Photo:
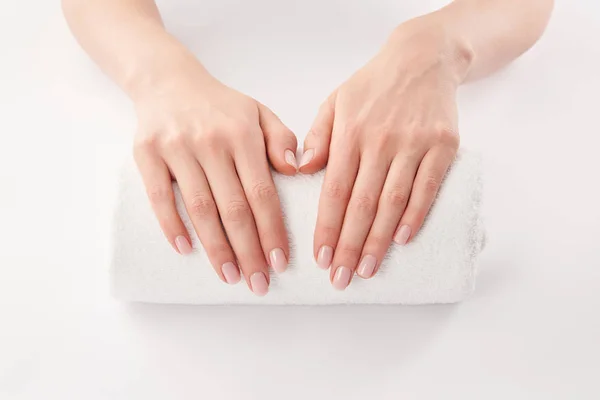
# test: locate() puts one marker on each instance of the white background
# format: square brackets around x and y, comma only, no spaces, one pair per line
[532,330]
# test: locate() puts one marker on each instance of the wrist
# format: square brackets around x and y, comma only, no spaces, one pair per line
[159,68]
[433,38]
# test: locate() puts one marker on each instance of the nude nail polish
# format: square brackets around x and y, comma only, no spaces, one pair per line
[342,277]
[290,158]
[278,260]
[183,246]
[259,284]
[324,257]
[231,273]
[307,157]
[367,266]
[403,234]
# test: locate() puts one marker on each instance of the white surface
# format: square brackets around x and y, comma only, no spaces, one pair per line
[438,266]
[532,329]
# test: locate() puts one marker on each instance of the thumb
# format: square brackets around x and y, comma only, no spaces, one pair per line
[316,144]
[281,142]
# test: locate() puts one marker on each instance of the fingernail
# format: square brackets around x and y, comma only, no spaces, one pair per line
[183,246]
[290,158]
[278,260]
[341,279]
[367,266]
[231,273]
[307,157]
[403,234]
[259,284]
[324,257]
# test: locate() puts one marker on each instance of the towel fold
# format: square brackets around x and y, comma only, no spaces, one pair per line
[438,266]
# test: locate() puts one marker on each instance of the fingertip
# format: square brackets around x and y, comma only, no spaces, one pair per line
[290,158]
[278,260]
[311,161]
[342,278]
[367,266]
[402,237]
[307,156]
[259,283]
[231,273]
[183,245]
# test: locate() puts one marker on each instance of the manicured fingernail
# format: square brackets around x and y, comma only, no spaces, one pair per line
[290,158]
[324,257]
[278,260]
[403,234]
[183,246]
[341,279]
[259,284]
[231,273]
[307,157]
[367,266]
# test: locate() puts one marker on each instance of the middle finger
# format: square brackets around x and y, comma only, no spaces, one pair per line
[237,219]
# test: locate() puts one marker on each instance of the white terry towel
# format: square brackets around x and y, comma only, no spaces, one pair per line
[438,266]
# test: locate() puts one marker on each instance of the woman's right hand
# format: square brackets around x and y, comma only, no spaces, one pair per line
[217,144]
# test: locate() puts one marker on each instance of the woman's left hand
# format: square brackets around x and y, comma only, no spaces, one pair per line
[388,136]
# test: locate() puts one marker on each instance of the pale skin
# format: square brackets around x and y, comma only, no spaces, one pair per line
[387,135]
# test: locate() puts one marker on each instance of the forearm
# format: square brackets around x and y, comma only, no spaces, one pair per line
[498,31]
[127,39]
[482,36]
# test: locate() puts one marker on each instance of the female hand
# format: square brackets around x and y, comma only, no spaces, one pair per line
[214,142]
[388,135]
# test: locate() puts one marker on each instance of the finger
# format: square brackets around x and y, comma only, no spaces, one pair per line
[392,203]
[237,219]
[429,176]
[316,144]
[359,217]
[202,211]
[280,142]
[335,193]
[159,188]
[257,181]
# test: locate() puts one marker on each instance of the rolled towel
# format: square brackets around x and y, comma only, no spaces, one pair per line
[438,266]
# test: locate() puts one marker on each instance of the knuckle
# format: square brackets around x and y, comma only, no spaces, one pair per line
[237,211]
[397,196]
[415,138]
[447,137]
[327,234]
[349,251]
[377,241]
[263,192]
[384,140]
[431,184]
[174,141]
[335,190]
[144,143]
[239,128]
[159,195]
[351,129]
[201,205]
[209,138]
[363,205]
[228,127]
[218,249]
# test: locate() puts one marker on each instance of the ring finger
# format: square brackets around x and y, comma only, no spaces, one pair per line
[201,208]
[237,219]
[392,203]
[358,219]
